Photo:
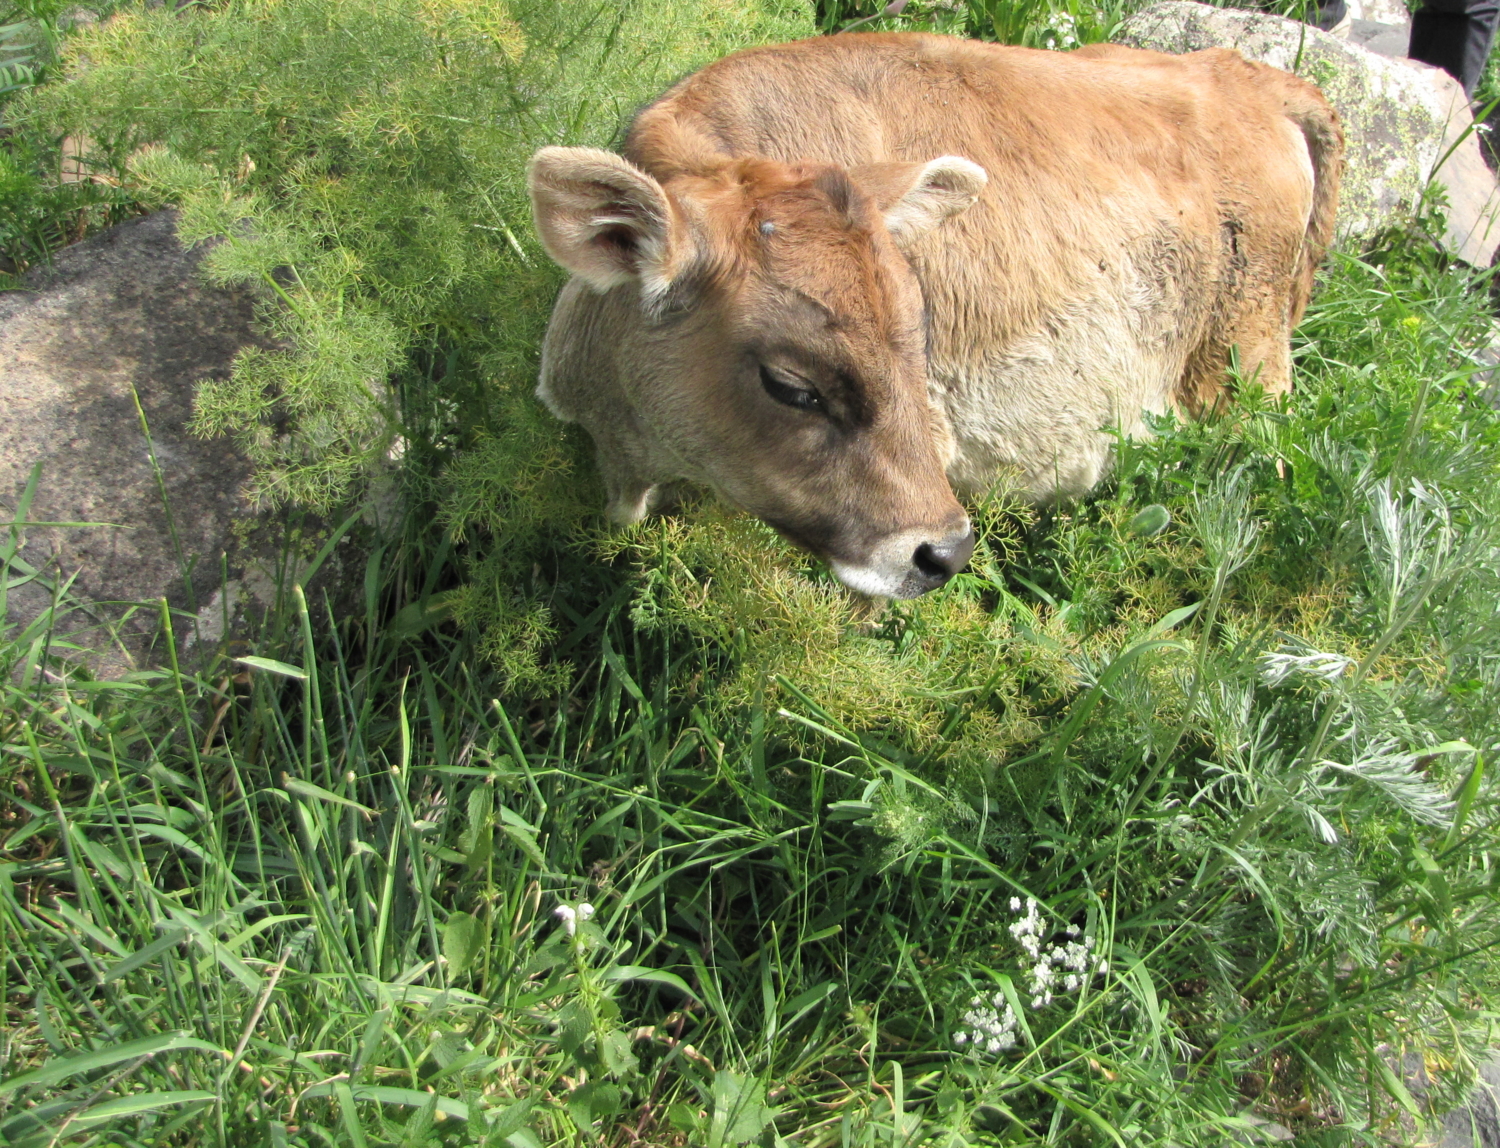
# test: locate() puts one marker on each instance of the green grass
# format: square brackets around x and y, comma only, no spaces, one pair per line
[1231,718]
[39,211]
[309,899]
[1053,24]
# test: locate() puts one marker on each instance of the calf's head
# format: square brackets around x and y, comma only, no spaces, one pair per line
[774,344]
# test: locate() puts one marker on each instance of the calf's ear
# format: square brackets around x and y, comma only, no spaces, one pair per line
[604,219]
[916,197]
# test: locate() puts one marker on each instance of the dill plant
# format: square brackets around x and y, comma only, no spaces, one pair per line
[363,164]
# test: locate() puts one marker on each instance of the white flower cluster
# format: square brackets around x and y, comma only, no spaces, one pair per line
[990,1022]
[1064,966]
[992,1026]
[571,915]
[1060,32]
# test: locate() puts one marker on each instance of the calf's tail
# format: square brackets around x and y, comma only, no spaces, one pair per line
[1319,124]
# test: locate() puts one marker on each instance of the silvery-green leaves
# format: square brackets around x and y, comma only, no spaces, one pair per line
[1224,523]
[1411,540]
[1399,778]
[1296,660]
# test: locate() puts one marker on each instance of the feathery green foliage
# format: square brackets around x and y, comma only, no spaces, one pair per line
[46,197]
[362,162]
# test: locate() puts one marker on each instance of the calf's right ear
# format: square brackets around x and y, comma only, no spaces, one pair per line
[916,197]
[604,219]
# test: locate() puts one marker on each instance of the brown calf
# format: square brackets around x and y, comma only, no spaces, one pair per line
[838,279]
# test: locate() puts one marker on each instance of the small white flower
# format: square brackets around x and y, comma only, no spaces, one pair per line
[571,916]
[990,1030]
[1015,904]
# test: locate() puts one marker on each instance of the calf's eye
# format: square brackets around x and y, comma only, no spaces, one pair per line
[788,393]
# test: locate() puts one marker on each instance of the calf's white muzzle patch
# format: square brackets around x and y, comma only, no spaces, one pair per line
[908,564]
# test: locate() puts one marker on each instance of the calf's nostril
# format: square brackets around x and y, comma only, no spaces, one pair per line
[926,560]
[941,560]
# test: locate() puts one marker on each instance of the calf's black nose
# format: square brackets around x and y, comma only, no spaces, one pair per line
[939,561]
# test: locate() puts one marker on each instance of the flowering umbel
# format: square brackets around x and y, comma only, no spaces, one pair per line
[1063,966]
[992,1026]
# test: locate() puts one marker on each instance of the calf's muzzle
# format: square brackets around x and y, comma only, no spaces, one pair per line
[910,563]
[939,561]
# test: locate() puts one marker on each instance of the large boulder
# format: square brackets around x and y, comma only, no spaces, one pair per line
[99,358]
[1405,122]
[1477,1123]
[1380,26]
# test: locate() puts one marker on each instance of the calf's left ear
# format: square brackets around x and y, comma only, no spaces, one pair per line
[604,219]
[916,197]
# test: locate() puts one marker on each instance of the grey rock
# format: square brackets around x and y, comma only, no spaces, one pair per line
[99,358]
[1402,119]
[1485,355]
[1389,40]
[1380,11]
[1477,1123]
[1473,1124]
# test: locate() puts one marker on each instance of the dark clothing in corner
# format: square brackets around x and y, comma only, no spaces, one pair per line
[1455,35]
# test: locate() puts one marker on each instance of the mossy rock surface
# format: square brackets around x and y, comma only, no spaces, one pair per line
[1401,119]
[103,352]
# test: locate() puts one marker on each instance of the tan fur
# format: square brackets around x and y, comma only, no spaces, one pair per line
[808,207]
